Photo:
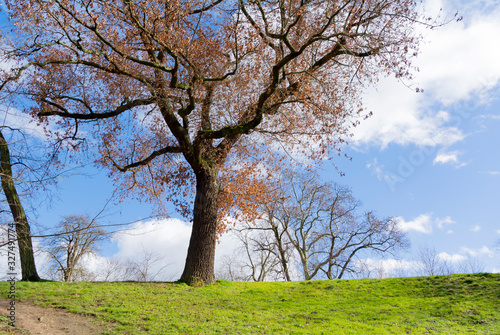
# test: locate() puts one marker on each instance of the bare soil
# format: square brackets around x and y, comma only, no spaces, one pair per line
[37,320]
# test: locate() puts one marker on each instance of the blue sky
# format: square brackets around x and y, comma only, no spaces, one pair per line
[430,159]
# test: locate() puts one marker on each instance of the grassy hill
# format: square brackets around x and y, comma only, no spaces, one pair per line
[457,304]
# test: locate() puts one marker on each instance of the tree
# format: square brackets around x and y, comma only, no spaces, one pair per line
[367,268]
[231,269]
[112,270]
[79,236]
[321,225]
[146,268]
[471,264]
[27,170]
[22,227]
[184,97]
[430,263]
[267,252]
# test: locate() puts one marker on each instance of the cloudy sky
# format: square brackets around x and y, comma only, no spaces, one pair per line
[430,159]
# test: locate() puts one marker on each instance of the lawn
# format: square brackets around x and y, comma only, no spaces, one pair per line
[456,304]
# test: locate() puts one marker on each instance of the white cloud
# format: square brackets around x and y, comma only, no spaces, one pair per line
[492,173]
[457,64]
[42,261]
[441,223]
[422,224]
[386,267]
[476,228]
[495,270]
[444,157]
[455,258]
[166,237]
[484,250]
[169,238]
[460,60]
[377,168]
[399,118]
[490,116]
[393,264]
[15,119]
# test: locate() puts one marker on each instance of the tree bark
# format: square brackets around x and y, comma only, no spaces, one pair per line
[23,232]
[281,250]
[199,268]
[305,267]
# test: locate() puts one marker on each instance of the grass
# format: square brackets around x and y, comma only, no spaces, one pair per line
[456,304]
[8,330]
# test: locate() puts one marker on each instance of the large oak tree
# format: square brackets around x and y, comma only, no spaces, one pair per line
[204,96]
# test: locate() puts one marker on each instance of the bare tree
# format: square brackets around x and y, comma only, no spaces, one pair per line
[231,268]
[148,267]
[267,251]
[471,265]
[429,263]
[112,270]
[370,269]
[79,235]
[382,268]
[320,224]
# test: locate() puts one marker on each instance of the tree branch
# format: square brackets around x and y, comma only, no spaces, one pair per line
[93,116]
[204,9]
[148,159]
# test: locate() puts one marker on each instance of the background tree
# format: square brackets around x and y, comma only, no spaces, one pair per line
[266,252]
[367,268]
[28,169]
[471,265]
[429,263]
[321,224]
[22,227]
[192,97]
[231,269]
[148,267]
[78,237]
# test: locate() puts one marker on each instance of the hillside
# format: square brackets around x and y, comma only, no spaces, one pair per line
[457,304]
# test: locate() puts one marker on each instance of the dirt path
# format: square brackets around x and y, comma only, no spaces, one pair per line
[37,320]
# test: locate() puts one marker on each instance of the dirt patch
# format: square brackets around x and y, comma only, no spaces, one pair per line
[37,320]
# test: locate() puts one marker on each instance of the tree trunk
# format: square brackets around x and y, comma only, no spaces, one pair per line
[199,268]
[281,250]
[68,271]
[23,232]
[307,274]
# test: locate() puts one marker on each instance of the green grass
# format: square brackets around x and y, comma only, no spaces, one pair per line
[457,304]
